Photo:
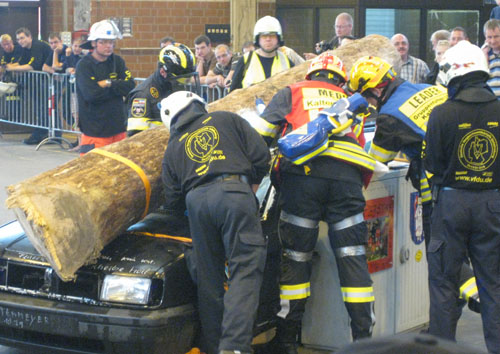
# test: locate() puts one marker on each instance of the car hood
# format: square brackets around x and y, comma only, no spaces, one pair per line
[128,254]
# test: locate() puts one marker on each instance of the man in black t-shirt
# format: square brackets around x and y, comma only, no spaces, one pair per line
[55,62]
[35,53]
[11,52]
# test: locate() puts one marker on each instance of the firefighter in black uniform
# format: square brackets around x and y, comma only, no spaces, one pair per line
[212,166]
[461,150]
[403,112]
[327,187]
[175,63]
[102,81]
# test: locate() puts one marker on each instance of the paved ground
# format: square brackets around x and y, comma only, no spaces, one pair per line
[18,162]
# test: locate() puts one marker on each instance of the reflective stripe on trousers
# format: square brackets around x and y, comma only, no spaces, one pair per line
[298,221]
[469,289]
[357,295]
[295,292]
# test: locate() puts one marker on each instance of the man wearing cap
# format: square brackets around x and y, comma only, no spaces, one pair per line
[102,82]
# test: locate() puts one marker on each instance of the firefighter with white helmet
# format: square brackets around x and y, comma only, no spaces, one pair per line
[102,83]
[461,150]
[327,187]
[266,60]
[212,166]
[176,66]
[105,29]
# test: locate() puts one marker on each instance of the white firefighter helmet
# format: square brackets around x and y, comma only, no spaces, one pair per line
[267,25]
[175,103]
[105,29]
[7,88]
[463,58]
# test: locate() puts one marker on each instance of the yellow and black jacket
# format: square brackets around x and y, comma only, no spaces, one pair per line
[402,123]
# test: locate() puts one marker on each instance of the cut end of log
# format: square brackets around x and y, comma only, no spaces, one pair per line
[58,225]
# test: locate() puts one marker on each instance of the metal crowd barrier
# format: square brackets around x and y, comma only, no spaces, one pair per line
[42,101]
[209,94]
[28,104]
[63,108]
[47,101]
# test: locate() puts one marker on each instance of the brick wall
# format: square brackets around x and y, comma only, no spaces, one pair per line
[153,20]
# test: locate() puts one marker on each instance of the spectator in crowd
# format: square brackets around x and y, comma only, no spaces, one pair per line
[73,56]
[458,34]
[102,82]
[267,60]
[11,52]
[413,69]
[439,49]
[166,41]
[205,57]
[492,50]
[223,71]
[35,54]
[439,35]
[247,47]
[217,188]
[435,38]
[55,62]
[142,102]
[495,12]
[343,28]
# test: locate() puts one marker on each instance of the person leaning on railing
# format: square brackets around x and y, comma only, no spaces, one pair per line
[35,53]
[223,71]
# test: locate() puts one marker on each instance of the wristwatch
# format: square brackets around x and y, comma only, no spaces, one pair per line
[108,82]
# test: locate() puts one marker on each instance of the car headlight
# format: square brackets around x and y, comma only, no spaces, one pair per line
[130,290]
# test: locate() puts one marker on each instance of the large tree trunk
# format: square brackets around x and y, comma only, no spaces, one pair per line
[375,45]
[71,212]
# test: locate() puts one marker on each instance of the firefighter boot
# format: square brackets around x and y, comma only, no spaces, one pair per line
[474,304]
[287,333]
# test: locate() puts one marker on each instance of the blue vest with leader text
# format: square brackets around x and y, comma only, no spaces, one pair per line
[412,104]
